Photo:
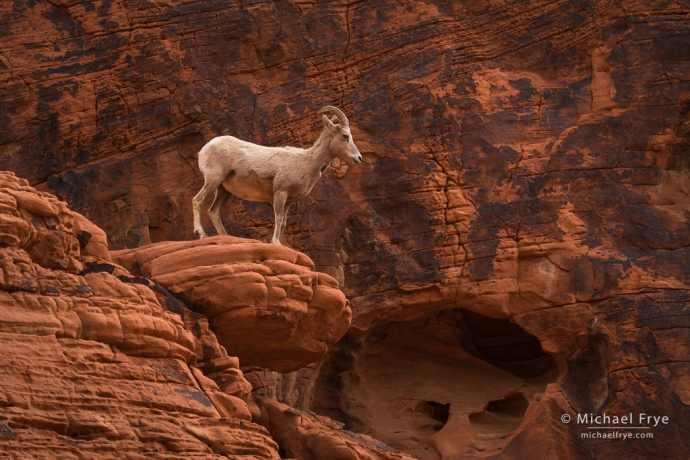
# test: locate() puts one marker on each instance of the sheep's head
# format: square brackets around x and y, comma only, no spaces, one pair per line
[341,140]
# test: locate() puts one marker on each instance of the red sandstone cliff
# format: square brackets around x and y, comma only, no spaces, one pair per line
[98,362]
[515,246]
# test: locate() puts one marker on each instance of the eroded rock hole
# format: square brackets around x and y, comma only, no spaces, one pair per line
[501,416]
[506,345]
[511,406]
[429,417]
[439,412]
[451,374]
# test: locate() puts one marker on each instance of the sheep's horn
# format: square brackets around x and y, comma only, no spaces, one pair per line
[338,113]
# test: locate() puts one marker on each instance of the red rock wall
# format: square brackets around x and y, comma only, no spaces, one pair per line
[522,160]
[98,362]
[93,366]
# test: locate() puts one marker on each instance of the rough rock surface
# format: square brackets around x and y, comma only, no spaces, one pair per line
[265,302]
[305,435]
[525,161]
[447,384]
[98,362]
[94,366]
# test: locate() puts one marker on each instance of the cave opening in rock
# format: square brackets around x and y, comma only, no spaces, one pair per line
[505,345]
[429,417]
[502,415]
[513,405]
[439,412]
[452,373]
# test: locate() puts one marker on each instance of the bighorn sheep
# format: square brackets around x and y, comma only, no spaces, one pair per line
[276,175]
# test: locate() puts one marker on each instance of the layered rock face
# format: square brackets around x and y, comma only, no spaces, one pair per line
[96,366]
[99,362]
[523,162]
[264,302]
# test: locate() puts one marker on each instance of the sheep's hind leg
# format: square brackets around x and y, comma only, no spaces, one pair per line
[284,222]
[279,199]
[210,184]
[219,201]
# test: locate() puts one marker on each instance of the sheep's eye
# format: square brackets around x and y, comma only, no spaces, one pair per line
[346,137]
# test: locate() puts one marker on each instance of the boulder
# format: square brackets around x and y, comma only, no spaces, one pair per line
[265,302]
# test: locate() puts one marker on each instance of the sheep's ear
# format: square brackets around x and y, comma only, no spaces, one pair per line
[329,124]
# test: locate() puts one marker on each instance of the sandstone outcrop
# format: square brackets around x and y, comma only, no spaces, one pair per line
[524,162]
[99,362]
[94,365]
[307,436]
[264,302]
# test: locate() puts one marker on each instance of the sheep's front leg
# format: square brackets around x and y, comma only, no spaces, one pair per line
[279,199]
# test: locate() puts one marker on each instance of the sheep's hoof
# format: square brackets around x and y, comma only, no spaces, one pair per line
[200,233]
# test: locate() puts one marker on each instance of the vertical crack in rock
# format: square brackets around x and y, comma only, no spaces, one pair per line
[587,381]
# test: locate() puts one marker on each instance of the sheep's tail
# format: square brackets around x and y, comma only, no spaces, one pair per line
[198,162]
